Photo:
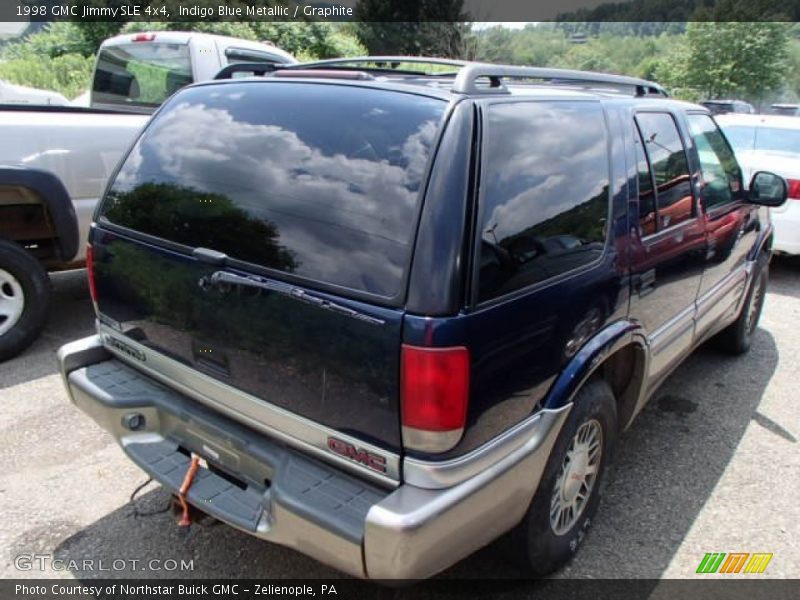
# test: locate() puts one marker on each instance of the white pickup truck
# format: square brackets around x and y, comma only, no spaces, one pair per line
[137,72]
[55,160]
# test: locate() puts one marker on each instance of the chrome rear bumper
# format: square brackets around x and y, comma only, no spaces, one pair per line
[282,495]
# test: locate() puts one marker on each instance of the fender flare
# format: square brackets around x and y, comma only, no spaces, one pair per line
[55,197]
[603,344]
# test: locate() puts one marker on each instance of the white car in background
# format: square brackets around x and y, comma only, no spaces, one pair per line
[770,142]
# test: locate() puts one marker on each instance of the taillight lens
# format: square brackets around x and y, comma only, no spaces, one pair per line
[144,37]
[794,188]
[90,273]
[434,393]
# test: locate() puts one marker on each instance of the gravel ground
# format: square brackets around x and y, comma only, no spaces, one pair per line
[711,465]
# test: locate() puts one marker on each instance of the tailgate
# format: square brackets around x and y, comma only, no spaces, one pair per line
[259,234]
[330,360]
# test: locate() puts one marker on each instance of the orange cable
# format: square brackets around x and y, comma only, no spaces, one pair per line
[187,483]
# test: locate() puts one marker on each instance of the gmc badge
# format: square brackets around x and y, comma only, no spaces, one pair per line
[376,462]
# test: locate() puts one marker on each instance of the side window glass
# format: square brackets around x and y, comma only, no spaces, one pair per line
[664,148]
[647,197]
[545,193]
[722,178]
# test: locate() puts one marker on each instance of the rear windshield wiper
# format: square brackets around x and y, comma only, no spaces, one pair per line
[222,278]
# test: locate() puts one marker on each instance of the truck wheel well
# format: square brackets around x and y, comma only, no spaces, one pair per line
[26,220]
[624,372]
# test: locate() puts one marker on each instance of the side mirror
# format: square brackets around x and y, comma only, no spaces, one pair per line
[768,189]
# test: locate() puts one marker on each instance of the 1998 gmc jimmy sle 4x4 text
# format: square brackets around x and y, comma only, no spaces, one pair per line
[385,317]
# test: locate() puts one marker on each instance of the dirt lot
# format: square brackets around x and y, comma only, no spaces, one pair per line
[711,465]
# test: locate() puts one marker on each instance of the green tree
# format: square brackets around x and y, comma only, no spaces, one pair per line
[732,58]
[792,91]
[311,40]
[68,74]
[57,39]
[415,27]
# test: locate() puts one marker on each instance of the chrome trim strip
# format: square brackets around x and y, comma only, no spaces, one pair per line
[447,473]
[432,442]
[721,288]
[672,329]
[292,429]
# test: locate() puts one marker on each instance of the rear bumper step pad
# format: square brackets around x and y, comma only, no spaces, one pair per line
[209,492]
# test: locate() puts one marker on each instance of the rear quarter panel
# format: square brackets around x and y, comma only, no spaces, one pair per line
[518,344]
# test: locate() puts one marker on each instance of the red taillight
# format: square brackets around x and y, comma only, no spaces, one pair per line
[434,392]
[794,188]
[144,37]
[90,273]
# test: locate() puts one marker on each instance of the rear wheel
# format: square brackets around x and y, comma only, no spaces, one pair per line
[569,492]
[24,299]
[738,336]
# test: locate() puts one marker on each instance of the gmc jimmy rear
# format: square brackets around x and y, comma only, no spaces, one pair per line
[385,317]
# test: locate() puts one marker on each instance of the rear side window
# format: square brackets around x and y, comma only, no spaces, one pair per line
[319,181]
[141,73]
[667,157]
[545,193]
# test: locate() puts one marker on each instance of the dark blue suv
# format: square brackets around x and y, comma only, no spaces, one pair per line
[385,316]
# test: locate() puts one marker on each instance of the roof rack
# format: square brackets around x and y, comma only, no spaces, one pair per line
[468,77]
[467,80]
[388,64]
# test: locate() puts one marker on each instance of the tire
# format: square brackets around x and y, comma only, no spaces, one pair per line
[540,545]
[737,337]
[24,299]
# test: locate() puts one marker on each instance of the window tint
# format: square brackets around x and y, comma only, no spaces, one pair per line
[647,199]
[141,73]
[664,148]
[545,198]
[722,178]
[316,180]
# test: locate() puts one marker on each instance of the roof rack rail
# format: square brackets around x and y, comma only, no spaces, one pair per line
[386,64]
[467,76]
[466,81]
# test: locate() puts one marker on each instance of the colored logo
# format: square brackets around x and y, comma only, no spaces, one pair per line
[735,562]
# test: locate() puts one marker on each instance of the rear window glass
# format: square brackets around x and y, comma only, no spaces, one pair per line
[773,139]
[319,181]
[740,137]
[141,73]
[545,205]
